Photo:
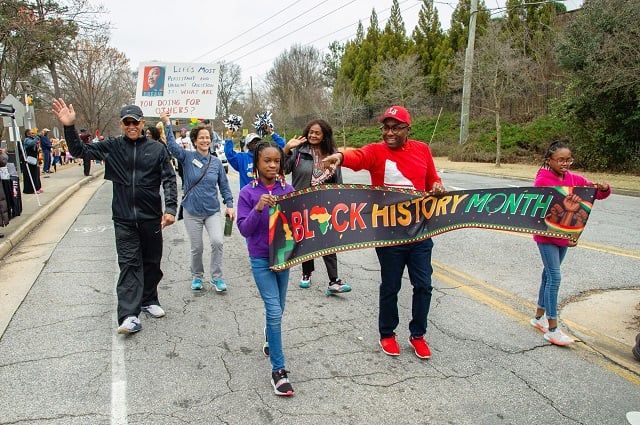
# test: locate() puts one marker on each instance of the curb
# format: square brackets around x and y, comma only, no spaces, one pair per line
[10,241]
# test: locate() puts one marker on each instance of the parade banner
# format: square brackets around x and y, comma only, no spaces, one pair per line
[183,90]
[331,218]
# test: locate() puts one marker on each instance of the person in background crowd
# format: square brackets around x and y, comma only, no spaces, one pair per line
[204,176]
[85,137]
[398,161]
[242,162]
[555,172]
[303,159]
[29,165]
[185,143]
[163,137]
[57,159]
[46,146]
[137,168]
[4,206]
[67,158]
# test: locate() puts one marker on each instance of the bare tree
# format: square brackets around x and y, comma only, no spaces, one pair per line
[96,78]
[399,81]
[229,88]
[346,108]
[296,86]
[501,74]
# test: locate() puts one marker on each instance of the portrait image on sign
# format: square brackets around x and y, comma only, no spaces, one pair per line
[153,81]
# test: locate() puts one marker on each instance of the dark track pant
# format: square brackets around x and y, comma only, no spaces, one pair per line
[86,164]
[139,247]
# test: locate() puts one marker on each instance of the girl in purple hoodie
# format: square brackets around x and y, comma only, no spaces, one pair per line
[253,222]
[555,172]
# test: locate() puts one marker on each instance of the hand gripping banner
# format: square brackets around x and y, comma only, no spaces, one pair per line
[331,218]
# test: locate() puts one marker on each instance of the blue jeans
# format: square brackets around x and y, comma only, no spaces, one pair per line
[46,159]
[417,257]
[552,256]
[273,290]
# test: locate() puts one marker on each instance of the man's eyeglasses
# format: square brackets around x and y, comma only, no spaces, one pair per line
[395,129]
[128,123]
[563,161]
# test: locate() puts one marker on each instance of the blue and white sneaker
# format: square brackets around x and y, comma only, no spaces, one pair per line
[218,284]
[196,284]
[337,287]
[305,282]
[130,325]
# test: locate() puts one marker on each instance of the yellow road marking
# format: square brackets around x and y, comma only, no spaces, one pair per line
[515,306]
[607,249]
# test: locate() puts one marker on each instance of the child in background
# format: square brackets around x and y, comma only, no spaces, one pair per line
[242,161]
[555,172]
[253,222]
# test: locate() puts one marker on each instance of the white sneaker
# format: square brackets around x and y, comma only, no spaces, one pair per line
[153,310]
[558,337]
[130,325]
[542,324]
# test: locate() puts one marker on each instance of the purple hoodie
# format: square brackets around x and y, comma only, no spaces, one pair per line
[254,225]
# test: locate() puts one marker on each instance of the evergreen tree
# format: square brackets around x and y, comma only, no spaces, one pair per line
[427,37]
[348,62]
[459,31]
[366,58]
[442,61]
[393,41]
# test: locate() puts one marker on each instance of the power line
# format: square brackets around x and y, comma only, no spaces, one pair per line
[250,29]
[284,23]
[331,33]
[296,30]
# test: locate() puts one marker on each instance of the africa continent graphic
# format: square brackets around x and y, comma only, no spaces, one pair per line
[321,215]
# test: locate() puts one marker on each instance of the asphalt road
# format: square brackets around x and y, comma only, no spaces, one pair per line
[62,363]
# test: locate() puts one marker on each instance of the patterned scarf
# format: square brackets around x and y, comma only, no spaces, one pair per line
[319,175]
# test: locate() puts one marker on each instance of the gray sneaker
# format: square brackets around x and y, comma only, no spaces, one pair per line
[153,310]
[130,325]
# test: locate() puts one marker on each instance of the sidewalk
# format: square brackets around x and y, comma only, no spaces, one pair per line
[57,187]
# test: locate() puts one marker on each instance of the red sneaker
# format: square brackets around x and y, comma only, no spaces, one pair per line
[420,347]
[390,346]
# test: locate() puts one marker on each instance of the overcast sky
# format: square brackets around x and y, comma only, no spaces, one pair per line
[246,32]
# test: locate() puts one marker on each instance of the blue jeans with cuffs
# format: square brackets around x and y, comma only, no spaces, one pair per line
[273,290]
[552,256]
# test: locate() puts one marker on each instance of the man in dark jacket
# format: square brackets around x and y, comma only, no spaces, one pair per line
[137,166]
[45,145]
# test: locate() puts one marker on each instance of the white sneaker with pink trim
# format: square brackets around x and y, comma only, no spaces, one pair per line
[558,337]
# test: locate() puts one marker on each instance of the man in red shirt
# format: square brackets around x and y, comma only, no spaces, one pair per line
[398,161]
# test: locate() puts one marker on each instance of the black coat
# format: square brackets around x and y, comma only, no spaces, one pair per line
[137,169]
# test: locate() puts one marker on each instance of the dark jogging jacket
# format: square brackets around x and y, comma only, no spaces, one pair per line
[137,168]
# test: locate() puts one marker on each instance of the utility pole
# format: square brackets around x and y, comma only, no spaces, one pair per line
[251,85]
[468,71]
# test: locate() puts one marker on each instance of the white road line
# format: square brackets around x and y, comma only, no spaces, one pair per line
[118,377]
[457,188]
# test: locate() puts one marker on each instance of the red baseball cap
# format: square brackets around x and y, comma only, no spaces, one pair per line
[396,112]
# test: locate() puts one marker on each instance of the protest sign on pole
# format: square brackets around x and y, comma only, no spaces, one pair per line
[183,90]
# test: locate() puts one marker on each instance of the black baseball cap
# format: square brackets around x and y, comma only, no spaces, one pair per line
[131,111]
